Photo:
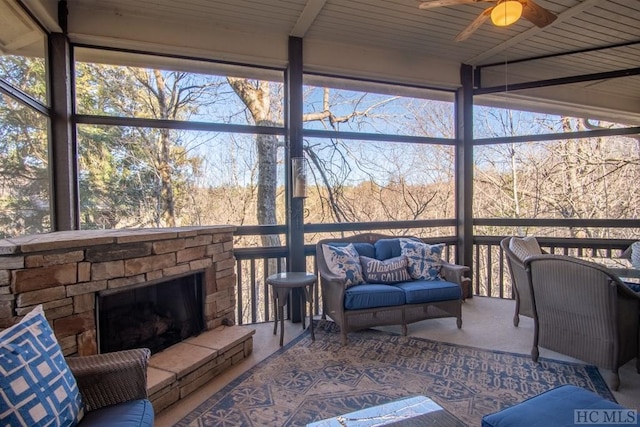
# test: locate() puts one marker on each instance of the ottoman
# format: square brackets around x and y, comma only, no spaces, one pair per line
[566,405]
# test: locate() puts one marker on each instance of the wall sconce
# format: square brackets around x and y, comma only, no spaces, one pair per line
[298,177]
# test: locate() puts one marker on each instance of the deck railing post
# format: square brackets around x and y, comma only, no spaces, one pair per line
[464,167]
[295,217]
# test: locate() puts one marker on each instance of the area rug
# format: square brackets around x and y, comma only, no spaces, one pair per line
[308,381]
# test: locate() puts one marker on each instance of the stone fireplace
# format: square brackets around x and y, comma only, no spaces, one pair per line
[64,271]
[76,274]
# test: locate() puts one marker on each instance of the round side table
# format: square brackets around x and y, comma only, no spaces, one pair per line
[282,283]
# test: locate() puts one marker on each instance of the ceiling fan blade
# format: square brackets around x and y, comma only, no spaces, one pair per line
[438,3]
[537,14]
[464,34]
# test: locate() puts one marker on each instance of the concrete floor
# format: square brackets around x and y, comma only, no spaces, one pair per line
[487,323]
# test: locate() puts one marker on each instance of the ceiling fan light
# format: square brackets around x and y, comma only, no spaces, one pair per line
[506,13]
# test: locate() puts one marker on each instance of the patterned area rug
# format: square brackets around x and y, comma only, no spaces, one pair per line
[308,381]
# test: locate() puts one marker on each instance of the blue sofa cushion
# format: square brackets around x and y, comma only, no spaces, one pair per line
[387,248]
[372,295]
[135,413]
[365,249]
[421,291]
[635,287]
[392,270]
[555,407]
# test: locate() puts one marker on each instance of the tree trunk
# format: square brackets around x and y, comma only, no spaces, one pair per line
[257,99]
[167,202]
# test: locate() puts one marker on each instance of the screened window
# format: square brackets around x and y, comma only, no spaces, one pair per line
[587,178]
[376,108]
[24,170]
[202,155]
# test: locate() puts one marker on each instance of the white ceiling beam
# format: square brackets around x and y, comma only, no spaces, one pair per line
[567,14]
[46,11]
[23,40]
[306,18]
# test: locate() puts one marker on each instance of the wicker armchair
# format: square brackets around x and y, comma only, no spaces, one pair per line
[112,379]
[583,310]
[519,282]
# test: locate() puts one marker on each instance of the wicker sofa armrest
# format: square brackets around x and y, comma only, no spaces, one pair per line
[111,378]
[333,295]
[454,273]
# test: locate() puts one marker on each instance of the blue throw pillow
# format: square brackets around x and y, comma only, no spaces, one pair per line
[38,387]
[344,261]
[424,261]
[389,271]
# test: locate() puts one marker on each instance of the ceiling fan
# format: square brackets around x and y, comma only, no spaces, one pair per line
[505,12]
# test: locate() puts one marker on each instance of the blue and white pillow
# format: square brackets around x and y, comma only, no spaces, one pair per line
[344,261]
[38,387]
[424,261]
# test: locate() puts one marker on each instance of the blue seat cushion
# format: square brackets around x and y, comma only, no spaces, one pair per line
[372,295]
[555,407]
[421,291]
[138,413]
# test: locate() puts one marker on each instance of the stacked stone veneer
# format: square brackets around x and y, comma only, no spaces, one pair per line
[64,271]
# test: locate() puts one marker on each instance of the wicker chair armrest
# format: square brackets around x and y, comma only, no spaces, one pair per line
[454,273]
[111,378]
[333,286]
[329,276]
[333,295]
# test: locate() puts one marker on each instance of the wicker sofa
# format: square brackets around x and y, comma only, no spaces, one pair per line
[42,387]
[114,388]
[368,305]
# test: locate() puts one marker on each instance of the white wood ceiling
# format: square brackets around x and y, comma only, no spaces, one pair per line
[385,39]
[399,24]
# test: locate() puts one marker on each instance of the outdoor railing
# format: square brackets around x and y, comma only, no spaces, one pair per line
[490,272]
[490,275]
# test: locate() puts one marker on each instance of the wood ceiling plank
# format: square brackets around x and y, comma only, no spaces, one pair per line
[564,16]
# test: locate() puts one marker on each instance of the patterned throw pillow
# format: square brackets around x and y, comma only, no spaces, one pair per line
[424,261]
[38,387]
[524,247]
[344,261]
[392,270]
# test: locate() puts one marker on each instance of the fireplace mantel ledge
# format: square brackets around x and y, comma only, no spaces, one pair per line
[83,238]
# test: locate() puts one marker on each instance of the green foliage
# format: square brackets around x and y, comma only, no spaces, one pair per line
[24,163]
[25,73]
[134,177]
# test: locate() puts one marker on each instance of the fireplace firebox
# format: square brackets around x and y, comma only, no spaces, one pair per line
[152,315]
